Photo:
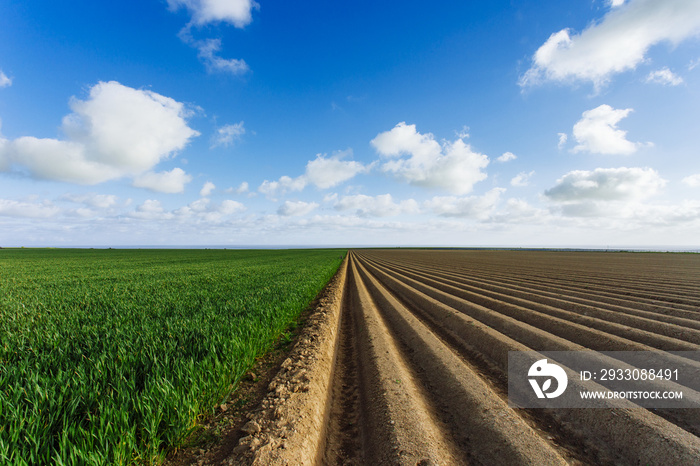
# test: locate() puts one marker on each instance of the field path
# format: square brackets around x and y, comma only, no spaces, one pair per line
[413,367]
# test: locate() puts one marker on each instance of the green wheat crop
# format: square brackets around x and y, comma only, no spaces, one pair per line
[110,356]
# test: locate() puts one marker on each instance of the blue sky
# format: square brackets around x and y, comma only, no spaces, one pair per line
[231,122]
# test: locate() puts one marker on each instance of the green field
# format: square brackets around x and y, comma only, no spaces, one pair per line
[111,356]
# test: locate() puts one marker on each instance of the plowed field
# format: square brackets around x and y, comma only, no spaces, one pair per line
[412,365]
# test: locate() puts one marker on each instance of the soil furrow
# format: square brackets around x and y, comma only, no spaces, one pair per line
[584,314]
[579,424]
[579,288]
[568,276]
[564,298]
[615,337]
[483,425]
[344,443]
[657,288]
[418,372]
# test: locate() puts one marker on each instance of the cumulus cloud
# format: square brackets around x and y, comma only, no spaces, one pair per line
[228,134]
[23,209]
[4,154]
[324,172]
[522,179]
[285,184]
[296,208]
[420,160]
[150,209]
[88,205]
[665,77]
[506,157]
[118,131]
[597,132]
[519,211]
[606,192]
[617,43]
[692,180]
[208,52]
[331,197]
[201,210]
[479,207]
[171,182]
[236,12]
[100,201]
[205,210]
[242,188]
[207,189]
[4,80]
[377,206]
[563,138]
[607,184]
[229,207]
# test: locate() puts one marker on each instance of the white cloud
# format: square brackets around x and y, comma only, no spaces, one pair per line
[22,209]
[606,184]
[452,166]
[626,216]
[518,211]
[323,172]
[119,131]
[664,76]
[597,132]
[563,138]
[242,188]
[326,172]
[692,180]
[207,189]
[228,135]
[479,207]
[296,208]
[506,157]
[54,159]
[522,179]
[150,205]
[151,209]
[229,207]
[616,3]
[613,193]
[236,12]
[404,139]
[204,210]
[4,80]
[171,182]
[464,133]
[4,154]
[207,52]
[285,184]
[377,206]
[201,210]
[617,43]
[100,201]
[330,197]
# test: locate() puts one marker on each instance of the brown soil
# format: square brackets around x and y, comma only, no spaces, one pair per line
[405,361]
